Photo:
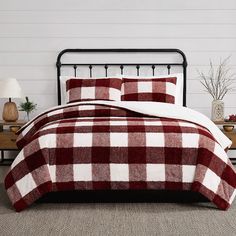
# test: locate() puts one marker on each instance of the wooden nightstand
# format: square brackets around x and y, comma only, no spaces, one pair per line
[8,139]
[231,135]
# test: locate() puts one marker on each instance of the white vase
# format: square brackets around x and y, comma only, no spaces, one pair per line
[217,110]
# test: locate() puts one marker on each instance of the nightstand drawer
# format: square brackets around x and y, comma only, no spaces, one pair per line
[8,140]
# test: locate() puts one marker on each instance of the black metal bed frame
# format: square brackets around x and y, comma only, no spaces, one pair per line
[153,65]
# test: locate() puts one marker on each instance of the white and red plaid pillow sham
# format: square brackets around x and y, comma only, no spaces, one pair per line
[149,89]
[79,89]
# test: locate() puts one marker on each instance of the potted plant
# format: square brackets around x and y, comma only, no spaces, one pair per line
[218,83]
[28,107]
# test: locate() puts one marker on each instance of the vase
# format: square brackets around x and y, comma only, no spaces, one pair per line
[217,110]
[27,116]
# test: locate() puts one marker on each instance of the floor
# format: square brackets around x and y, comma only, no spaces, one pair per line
[115,219]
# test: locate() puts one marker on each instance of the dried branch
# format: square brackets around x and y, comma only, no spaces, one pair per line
[218,83]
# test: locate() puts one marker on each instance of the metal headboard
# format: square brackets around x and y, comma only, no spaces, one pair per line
[153,65]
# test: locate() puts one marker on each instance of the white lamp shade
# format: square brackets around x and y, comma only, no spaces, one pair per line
[10,88]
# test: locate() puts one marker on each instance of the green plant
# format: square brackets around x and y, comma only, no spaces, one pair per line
[218,81]
[27,106]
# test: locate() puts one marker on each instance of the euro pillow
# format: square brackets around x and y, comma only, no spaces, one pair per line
[63,79]
[149,89]
[87,89]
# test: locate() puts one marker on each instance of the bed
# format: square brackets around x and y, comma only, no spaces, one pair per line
[121,132]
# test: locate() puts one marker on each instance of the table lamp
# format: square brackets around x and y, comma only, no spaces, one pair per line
[10,88]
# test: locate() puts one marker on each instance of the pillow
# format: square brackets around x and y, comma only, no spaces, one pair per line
[149,89]
[63,80]
[179,84]
[85,89]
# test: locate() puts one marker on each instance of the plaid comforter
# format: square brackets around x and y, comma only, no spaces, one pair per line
[86,146]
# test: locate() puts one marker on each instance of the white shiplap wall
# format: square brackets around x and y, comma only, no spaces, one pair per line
[33,32]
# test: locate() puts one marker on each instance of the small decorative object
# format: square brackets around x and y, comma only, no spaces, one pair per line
[217,83]
[226,119]
[14,128]
[10,88]
[28,107]
[228,128]
[232,118]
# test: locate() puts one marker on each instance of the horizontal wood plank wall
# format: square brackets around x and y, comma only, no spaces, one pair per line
[33,32]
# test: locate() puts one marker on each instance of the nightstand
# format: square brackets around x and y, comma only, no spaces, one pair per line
[231,135]
[8,139]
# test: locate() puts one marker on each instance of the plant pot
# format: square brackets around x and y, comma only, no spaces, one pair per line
[217,110]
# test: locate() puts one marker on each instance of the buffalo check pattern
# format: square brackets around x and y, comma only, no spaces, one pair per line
[154,90]
[89,147]
[93,89]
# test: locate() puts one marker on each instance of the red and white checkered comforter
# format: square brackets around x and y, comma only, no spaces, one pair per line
[103,146]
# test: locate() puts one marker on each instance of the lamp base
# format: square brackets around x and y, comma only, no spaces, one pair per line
[10,112]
